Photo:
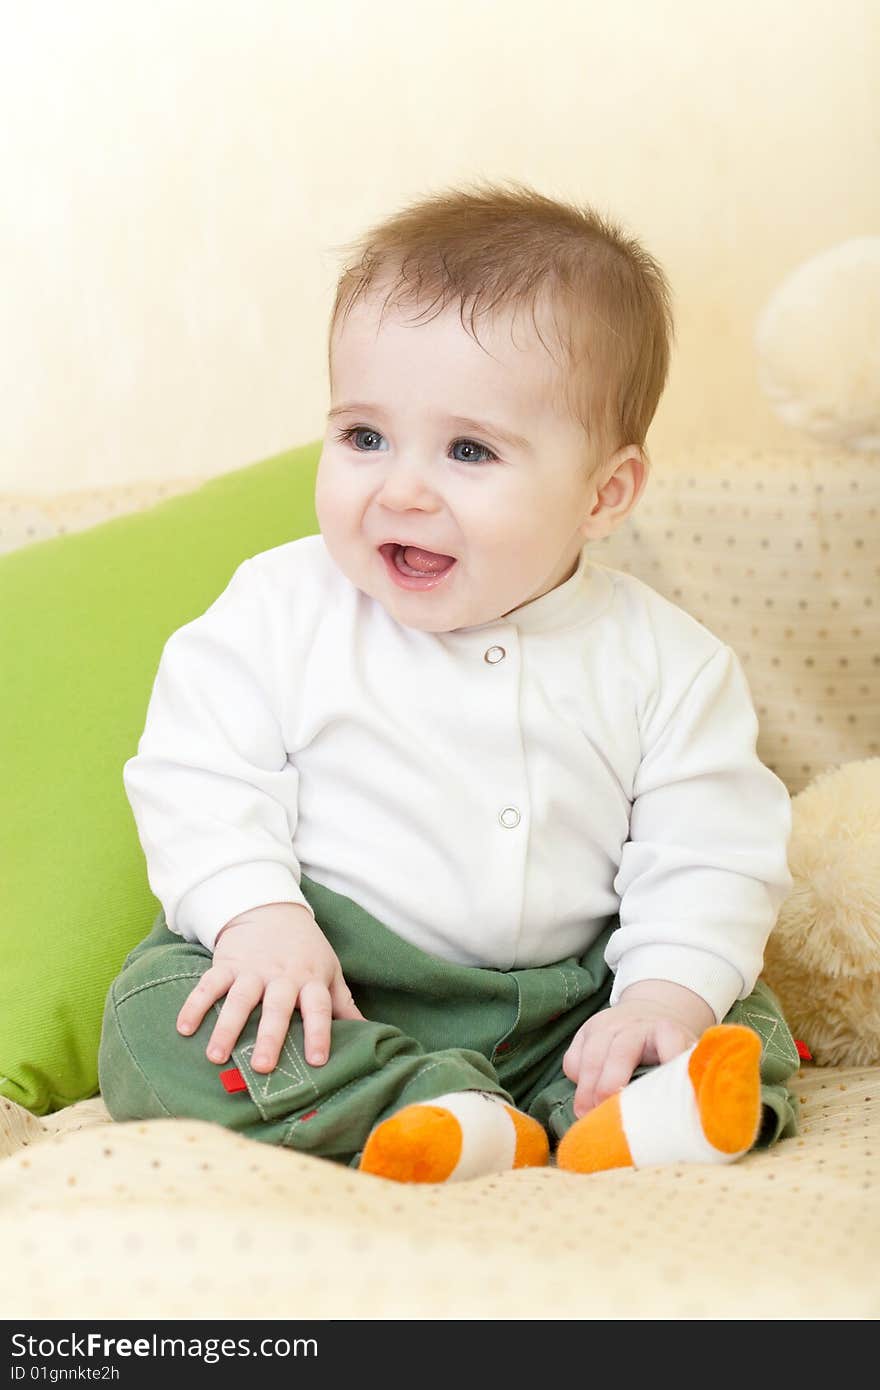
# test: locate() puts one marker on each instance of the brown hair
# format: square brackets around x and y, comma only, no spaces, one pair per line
[509,244]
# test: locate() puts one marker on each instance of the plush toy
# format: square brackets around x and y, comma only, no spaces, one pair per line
[818,358]
[823,956]
[818,346]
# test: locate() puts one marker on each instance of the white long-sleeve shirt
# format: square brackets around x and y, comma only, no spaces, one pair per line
[496,794]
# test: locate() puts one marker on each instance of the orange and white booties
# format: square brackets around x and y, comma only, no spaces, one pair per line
[463,1134]
[703,1106]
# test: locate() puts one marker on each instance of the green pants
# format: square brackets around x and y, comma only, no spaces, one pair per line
[432,1027]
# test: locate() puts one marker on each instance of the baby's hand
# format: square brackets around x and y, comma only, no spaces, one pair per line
[279,954]
[652,1022]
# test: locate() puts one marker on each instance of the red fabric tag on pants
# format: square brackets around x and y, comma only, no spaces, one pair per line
[233,1080]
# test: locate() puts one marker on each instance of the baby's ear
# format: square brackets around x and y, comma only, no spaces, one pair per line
[616,489]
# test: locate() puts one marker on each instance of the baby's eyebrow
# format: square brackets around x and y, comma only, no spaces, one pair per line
[516,441]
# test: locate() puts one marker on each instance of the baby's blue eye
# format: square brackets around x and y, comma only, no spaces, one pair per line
[358,429]
[472,444]
[349,434]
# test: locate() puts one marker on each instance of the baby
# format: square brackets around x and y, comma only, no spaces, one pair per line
[461,838]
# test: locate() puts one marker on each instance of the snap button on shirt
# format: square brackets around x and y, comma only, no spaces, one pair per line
[509,817]
[494,654]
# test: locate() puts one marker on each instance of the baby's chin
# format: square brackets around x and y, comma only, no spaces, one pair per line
[412,612]
[421,611]
[454,619]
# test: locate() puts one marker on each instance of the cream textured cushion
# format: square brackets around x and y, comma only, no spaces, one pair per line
[177,1219]
[776,552]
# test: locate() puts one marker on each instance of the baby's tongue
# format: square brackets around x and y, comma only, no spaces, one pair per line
[428,561]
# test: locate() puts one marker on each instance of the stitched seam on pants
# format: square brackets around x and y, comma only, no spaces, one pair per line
[267,1093]
[777,1048]
[518,1007]
[422,1071]
[330,1100]
[135,1063]
[363,1081]
[566,1006]
[513,1026]
[164,980]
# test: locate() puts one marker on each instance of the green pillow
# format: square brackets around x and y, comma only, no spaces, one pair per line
[83,620]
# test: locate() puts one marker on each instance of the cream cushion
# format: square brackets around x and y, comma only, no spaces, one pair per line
[176,1219]
[777,553]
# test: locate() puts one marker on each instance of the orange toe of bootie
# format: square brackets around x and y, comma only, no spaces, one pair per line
[725,1072]
[596,1141]
[421,1143]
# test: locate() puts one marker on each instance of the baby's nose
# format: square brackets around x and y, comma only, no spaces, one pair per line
[406,482]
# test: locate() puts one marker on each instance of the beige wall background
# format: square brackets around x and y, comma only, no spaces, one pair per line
[174,176]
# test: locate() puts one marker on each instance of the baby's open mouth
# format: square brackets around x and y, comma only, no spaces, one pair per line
[415,560]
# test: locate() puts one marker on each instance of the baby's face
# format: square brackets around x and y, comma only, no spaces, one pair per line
[426,464]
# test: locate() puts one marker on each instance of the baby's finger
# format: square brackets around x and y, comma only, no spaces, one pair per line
[317,1012]
[571,1061]
[279,1002]
[607,1066]
[593,1054]
[242,999]
[211,987]
[622,1058]
[342,1001]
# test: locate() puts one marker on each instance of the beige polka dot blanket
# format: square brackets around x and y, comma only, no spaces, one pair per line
[775,552]
[172,1219]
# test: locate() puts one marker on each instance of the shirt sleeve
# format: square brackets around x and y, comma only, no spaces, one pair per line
[212,790]
[705,869]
